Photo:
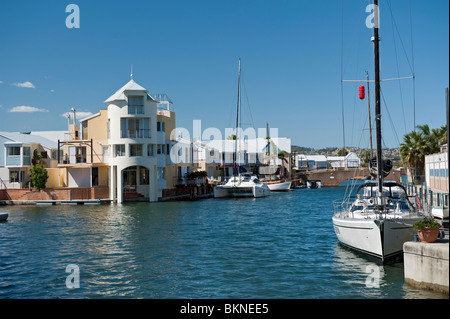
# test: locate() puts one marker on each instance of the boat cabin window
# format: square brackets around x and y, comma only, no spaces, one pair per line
[394,192]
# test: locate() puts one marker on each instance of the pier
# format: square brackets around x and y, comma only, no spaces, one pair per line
[426,265]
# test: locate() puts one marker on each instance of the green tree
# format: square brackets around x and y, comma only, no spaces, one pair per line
[365,157]
[342,152]
[417,144]
[36,157]
[39,176]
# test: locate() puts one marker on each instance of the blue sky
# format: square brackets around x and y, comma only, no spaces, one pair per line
[291,63]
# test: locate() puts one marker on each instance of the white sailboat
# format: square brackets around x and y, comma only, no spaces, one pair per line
[241,184]
[279,186]
[381,218]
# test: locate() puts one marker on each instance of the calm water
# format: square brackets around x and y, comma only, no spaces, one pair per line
[282,246]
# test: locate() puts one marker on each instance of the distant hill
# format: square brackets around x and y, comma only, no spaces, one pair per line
[391,153]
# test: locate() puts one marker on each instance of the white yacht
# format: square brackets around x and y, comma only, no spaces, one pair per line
[242,186]
[279,186]
[376,229]
[380,219]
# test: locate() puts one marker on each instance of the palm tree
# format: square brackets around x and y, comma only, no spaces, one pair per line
[413,150]
[417,144]
[365,157]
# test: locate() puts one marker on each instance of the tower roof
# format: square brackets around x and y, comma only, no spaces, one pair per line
[130,86]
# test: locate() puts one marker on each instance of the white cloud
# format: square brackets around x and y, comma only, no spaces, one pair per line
[26,109]
[52,91]
[1,82]
[80,115]
[26,84]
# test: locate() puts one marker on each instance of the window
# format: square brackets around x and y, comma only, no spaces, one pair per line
[16,176]
[161,173]
[144,176]
[135,104]
[167,149]
[135,127]
[161,126]
[135,149]
[150,151]
[160,148]
[14,151]
[84,130]
[119,150]
[26,151]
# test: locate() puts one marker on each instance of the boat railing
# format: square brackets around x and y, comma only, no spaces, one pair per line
[340,206]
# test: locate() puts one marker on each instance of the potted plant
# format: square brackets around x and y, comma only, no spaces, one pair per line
[427,229]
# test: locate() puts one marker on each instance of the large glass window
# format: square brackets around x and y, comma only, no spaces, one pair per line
[161,126]
[135,127]
[135,149]
[135,104]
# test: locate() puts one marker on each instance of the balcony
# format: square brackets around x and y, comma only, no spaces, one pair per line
[142,133]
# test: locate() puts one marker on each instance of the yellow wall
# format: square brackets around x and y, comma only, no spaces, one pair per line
[168,118]
[97,130]
[54,175]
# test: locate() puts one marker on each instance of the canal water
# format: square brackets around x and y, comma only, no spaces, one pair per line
[280,247]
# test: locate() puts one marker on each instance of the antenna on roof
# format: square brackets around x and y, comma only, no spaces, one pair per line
[132,71]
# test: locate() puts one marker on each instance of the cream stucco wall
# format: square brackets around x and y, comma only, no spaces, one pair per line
[116,111]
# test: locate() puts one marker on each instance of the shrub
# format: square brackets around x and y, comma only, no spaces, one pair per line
[39,176]
[429,222]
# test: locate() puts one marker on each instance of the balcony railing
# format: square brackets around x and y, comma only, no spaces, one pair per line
[142,133]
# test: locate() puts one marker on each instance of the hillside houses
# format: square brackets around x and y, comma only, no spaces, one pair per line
[317,162]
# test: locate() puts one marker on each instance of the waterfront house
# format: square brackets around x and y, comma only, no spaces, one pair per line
[436,170]
[311,161]
[125,146]
[16,155]
[351,160]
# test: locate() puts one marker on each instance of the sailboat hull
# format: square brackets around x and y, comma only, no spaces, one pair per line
[241,191]
[279,187]
[379,238]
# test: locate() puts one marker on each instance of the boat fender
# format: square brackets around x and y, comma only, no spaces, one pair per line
[418,202]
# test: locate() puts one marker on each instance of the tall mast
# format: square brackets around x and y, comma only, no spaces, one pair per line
[377,99]
[238,120]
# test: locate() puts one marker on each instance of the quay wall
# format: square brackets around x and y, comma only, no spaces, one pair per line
[75,193]
[426,265]
[332,178]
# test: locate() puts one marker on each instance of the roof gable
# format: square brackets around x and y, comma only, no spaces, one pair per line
[131,86]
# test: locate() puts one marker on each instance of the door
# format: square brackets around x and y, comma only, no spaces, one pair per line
[129,180]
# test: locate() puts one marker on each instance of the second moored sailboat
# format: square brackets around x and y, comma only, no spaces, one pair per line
[241,184]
